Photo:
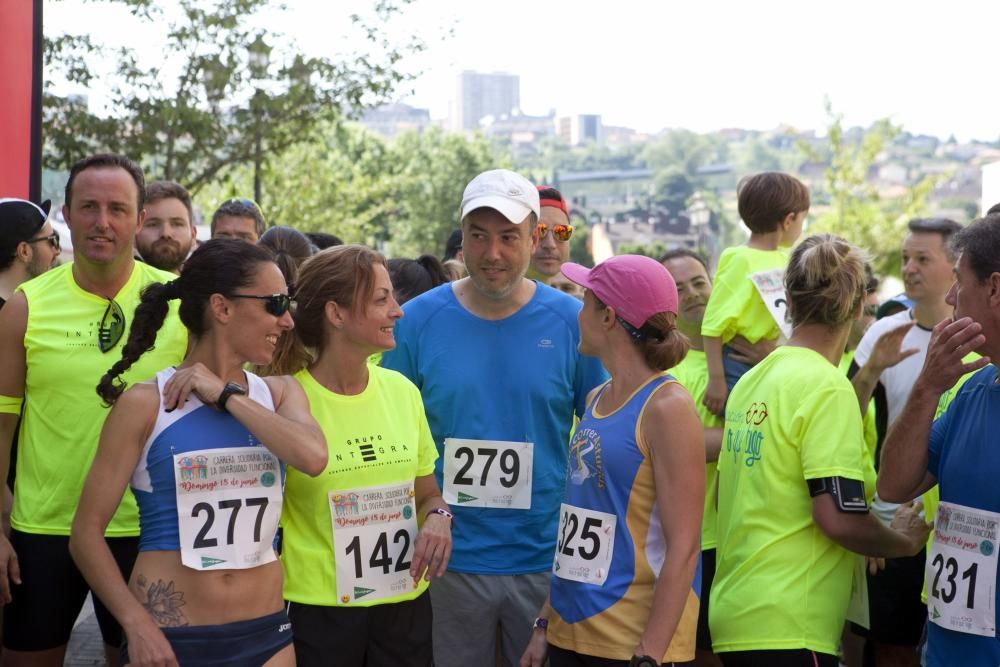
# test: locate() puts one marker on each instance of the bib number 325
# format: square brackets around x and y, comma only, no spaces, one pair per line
[585,545]
[962,570]
[487,473]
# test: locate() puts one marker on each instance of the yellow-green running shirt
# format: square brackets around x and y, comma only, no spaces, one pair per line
[780,582]
[63,414]
[736,306]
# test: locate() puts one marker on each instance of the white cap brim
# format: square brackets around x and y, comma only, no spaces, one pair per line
[513,210]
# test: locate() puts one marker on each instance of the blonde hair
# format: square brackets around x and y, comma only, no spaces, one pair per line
[825,281]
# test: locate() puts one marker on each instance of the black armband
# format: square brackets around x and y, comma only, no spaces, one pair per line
[848,494]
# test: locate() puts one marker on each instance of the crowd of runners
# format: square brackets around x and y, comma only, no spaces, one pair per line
[251,452]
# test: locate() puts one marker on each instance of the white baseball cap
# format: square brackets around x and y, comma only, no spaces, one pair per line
[502,190]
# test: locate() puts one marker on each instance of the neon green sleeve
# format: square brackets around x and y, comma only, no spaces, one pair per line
[11,405]
[827,426]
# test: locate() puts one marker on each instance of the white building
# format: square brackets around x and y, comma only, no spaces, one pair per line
[496,94]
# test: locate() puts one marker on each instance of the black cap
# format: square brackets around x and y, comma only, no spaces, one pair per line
[19,221]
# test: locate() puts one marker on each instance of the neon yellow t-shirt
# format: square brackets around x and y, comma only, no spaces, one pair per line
[375,438]
[932,496]
[693,375]
[735,306]
[780,582]
[63,414]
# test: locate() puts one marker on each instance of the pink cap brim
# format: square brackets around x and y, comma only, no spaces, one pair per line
[577,273]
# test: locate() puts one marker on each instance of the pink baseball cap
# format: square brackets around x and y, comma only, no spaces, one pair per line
[637,287]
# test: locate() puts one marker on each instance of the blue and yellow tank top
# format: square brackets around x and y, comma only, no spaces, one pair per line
[207,487]
[610,545]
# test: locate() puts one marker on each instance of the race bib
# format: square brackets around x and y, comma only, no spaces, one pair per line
[771,286]
[585,545]
[961,574]
[374,533]
[487,473]
[228,506]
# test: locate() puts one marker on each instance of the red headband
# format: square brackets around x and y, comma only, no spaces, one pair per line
[554,203]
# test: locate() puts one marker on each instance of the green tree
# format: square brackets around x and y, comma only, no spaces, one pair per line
[430,174]
[656,249]
[402,196]
[857,211]
[213,103]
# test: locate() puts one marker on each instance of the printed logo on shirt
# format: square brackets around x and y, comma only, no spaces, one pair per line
[284,627]
[743,439]
[585,457]
[360,592]
[546,343]
[368,450]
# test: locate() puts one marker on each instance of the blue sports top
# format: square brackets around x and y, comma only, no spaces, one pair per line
[518,379]
[191,427]
[962,455]
[610,471]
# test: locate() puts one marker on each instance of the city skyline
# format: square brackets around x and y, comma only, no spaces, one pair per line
[651,66]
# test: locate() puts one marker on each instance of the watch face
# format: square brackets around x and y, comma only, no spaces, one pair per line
[644,661]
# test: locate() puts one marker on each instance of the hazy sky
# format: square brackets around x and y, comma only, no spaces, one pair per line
[703,65]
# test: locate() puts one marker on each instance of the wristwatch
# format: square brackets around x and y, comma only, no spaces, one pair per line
[227,391]
[540,624]
[643,661]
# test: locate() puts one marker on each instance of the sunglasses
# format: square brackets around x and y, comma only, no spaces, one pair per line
[276,304]
[560,232]
[871,311]
[53,240]
[112,326]
[243,200]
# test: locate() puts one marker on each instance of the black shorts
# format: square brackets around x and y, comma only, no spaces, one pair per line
[560,657]
[704,641]
[779,658]
[52,591]
[895,610]
[396,634]
[248,643]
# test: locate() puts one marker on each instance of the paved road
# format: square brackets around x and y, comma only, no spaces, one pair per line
[85,646]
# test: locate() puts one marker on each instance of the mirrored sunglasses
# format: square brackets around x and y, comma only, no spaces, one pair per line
[560,232]
[53,240]
[276,304]
[112,327]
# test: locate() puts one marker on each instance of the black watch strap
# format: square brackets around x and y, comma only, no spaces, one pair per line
[227,391]
[643,661]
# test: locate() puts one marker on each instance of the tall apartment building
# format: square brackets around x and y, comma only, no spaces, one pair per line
[580,128]
[496,94]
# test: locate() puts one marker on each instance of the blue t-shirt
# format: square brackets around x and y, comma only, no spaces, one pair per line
[962,454]
[519,379]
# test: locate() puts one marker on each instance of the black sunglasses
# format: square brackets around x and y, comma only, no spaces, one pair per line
[53,240]
[276,304]
[112,326]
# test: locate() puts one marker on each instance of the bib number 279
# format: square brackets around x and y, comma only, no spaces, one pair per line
[487,473]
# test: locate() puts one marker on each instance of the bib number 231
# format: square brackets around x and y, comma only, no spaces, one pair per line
[487,473]
[962,570]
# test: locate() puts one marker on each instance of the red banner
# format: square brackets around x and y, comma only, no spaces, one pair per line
[21,99]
